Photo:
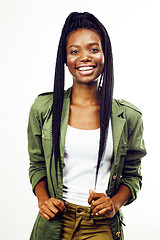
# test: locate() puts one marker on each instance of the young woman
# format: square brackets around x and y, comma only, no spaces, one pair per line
[85,147]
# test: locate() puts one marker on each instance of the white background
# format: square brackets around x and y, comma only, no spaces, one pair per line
[30,32]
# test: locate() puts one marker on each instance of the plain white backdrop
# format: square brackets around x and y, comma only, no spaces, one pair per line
[30,32]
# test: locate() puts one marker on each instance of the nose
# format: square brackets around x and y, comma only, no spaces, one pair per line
[85,58]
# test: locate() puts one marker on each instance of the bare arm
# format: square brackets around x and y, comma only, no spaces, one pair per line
[121,197]
[48,207]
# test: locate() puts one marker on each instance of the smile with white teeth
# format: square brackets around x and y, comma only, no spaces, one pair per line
[85,68]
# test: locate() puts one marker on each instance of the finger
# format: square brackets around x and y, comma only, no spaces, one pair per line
[49,209]
[95,196]
[108,212]
[105,211]
[103,200]
[46,213]
[102,212]
[59,204]
[97,208]
[91,192]
[90,199]
[91,195]
[101,207]
[45,216]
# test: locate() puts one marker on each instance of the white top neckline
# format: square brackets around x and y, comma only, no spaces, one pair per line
[80,129]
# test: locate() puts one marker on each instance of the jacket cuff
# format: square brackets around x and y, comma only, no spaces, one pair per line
[36,178]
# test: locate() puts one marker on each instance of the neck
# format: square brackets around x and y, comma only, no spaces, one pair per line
[85,94]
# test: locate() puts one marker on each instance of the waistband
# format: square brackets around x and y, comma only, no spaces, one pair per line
[83,211]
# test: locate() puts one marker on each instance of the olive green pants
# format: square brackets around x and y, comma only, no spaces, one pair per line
[79,224]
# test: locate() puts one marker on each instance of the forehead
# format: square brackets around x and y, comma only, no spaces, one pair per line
[83,35]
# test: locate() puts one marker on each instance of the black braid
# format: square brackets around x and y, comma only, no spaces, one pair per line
[74,22]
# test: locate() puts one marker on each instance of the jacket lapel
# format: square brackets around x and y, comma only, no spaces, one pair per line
[64,120]
[117,126]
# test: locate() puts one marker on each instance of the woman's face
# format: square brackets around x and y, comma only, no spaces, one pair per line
[85,58]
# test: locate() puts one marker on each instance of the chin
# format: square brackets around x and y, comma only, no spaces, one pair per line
[86,81]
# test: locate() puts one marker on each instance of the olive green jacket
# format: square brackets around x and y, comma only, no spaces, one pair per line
[127,128]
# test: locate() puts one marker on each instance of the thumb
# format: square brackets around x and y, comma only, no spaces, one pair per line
[91,192]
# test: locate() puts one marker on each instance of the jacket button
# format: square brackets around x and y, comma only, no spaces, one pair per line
[115,176]
[118,234]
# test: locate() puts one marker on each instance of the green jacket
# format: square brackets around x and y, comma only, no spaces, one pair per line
[127,128]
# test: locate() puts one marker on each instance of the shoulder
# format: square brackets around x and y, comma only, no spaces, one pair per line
[130,112]
[129,106]
[42,104]
[44,100]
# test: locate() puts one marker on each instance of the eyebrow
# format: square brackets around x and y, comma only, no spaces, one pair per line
[94,43]
[90,44]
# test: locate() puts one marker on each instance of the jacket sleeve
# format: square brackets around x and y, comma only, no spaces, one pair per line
[131,175]
[37,169]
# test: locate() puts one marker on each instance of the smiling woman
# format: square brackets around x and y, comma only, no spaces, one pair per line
[85,58]
[85,147]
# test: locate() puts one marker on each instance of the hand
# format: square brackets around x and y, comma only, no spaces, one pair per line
[50,208]
[101,204]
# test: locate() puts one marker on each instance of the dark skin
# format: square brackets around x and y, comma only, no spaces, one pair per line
[85,61]
[48,207]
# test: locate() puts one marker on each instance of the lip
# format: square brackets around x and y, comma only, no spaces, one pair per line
[86,70]
[85,67]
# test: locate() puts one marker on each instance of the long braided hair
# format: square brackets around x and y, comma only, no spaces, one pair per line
[74,22]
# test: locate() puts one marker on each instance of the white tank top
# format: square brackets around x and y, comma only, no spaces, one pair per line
[80,162]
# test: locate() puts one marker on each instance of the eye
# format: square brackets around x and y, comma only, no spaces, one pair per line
[95,50]
[73,52]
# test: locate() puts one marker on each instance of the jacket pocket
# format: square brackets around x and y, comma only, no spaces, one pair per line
[47,143]
[46,134]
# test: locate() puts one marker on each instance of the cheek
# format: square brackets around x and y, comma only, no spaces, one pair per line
[100,60]
[70,62]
